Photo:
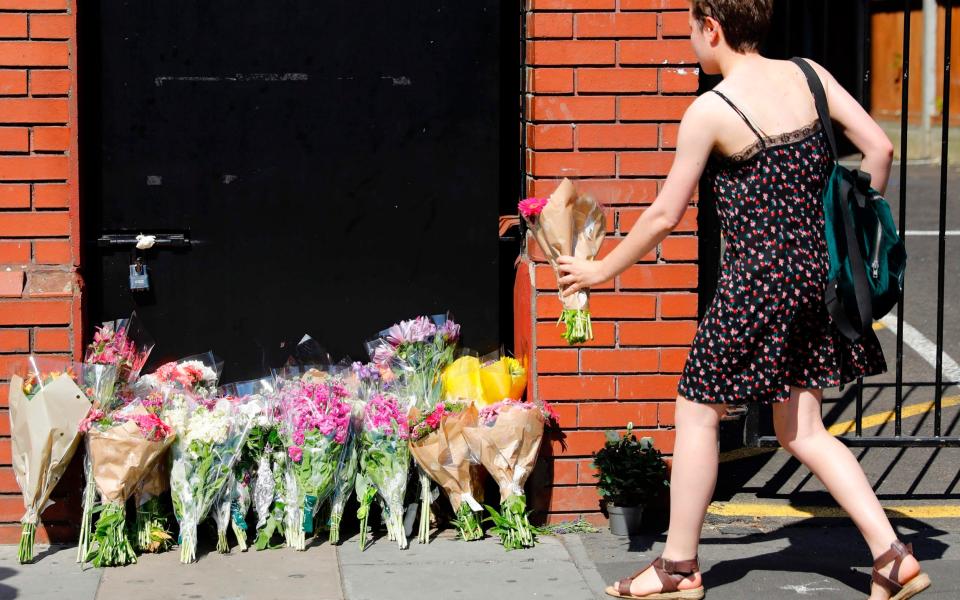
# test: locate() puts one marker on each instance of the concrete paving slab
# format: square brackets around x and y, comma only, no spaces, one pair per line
[279,574]
[54,575]
[453,569]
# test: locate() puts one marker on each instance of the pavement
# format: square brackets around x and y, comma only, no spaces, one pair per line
[740,558]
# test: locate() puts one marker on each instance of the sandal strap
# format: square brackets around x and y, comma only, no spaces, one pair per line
[679,567]
[670,573]
[898,550]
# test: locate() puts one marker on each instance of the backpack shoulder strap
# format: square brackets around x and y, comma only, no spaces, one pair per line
[820,100]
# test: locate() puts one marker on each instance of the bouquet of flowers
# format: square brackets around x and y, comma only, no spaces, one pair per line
[48,399]
[211,433]
[196,376]
[568,224]
[418,350]
[123,343]
[237,496]
[316,423]
[365,381]
[484,382]
[506,440]
[269,492]
[437,443]
[384,463]
[122,446]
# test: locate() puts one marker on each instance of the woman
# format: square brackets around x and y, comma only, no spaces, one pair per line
[767,336]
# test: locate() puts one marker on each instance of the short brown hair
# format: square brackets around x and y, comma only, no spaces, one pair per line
[744,22]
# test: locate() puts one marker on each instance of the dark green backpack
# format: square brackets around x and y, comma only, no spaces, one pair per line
[867,256]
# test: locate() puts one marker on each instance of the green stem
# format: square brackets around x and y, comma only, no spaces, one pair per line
[86,521]
[25,550]
[423,535]
[468,524]
[363,512]
[335,519]
[188,543]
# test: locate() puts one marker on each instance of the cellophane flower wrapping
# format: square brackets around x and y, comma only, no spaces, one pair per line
[125,345]
[568,224]
[48,399]
[196,376]
[417,351]
[211,433]
[122,446]
[240,493]
[316,425]
[384,464]
[362,382]
[506,440]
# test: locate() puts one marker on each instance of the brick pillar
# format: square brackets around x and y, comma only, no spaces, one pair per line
[607,83]
[39,228]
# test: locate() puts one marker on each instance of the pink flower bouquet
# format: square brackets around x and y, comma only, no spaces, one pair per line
[568,224]
[384,464]
[123,343]
[197,377]
[122,446]
[316,422]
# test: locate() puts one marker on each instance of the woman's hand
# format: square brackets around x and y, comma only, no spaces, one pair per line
[579,273]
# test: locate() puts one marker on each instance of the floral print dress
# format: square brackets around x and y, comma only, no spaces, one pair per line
[768,328]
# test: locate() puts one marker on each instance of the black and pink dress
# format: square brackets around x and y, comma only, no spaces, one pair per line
[768,328]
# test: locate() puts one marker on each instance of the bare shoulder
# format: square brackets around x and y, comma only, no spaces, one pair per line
[703,111]
[825,76]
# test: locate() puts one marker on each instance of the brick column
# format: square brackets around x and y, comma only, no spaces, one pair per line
[39,228]
[607,83]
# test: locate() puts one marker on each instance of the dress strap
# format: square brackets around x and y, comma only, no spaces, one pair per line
[756,130]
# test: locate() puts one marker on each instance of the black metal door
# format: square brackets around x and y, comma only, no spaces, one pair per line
[335,166]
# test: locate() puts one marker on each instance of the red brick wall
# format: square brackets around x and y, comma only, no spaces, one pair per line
[39,228]
[607,83]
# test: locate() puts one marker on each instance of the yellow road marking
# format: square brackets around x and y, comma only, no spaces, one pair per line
[910,410]
[730,509]
[876,420]
[877,326]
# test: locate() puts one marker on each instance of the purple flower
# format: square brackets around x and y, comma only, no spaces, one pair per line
[419,329]
[383,354]
[449,331]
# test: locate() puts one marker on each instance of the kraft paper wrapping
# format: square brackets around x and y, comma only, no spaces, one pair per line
[45,432]
[445,457]
[157,479]
[570,225]
[508,448]
[121,456]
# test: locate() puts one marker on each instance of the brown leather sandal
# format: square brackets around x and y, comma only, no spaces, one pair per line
[670,572]
[898,550]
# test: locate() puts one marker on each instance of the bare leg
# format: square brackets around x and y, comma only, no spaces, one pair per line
[800,430]
[692,479]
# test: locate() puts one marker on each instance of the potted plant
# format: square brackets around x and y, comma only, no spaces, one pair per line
[630,473]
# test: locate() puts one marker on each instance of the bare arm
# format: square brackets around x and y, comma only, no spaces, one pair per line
[860,128]
[695,141]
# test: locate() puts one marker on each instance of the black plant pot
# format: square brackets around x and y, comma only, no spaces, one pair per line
[625,520]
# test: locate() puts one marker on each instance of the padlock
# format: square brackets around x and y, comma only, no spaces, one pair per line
[139,277]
